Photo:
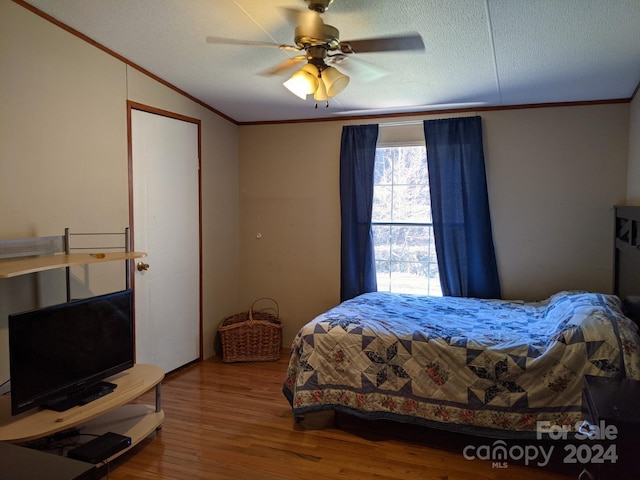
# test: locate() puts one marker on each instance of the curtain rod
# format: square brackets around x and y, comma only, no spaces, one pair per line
[400,124]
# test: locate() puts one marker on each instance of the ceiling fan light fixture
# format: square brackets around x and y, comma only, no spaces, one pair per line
[304,81]
[334,81]
[320,95]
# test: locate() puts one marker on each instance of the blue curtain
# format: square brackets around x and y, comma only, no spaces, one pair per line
[460,208]
[357,162]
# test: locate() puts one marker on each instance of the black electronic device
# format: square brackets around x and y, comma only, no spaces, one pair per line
[84,396]
[59,354]
[100,448]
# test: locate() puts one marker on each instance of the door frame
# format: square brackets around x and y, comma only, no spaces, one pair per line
[165,113]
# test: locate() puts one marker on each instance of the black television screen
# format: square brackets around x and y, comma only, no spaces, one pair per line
[60,351]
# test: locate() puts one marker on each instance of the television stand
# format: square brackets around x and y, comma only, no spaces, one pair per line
[113,412]
[81,397]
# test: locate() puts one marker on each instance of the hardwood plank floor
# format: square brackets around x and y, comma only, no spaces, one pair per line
[231,421]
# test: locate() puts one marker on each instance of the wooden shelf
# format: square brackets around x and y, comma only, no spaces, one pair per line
[136,420]
[20,266]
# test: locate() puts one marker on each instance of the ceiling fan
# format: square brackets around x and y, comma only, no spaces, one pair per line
[321,48]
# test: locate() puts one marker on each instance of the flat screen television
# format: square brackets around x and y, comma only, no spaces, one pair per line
[60,355]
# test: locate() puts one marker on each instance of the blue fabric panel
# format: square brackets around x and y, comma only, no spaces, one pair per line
[460,208]
[357,162]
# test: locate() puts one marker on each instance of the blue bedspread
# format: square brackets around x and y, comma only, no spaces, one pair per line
[469,363]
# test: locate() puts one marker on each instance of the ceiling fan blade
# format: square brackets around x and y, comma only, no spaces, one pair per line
[383,44]
[360,69]
[252,43]
[284,66]
[308,21]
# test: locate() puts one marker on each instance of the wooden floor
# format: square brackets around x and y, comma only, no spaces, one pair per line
[231,421]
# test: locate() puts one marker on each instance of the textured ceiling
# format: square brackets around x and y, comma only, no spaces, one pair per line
[478,52]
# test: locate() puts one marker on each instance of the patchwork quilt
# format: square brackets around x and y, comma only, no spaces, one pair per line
[468,364]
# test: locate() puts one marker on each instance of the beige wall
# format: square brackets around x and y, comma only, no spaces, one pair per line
[554,175]
[63,162]
[633,177]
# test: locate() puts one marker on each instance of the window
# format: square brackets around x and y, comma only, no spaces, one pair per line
[402,229]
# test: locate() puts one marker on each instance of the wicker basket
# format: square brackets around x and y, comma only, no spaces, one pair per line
[253,335]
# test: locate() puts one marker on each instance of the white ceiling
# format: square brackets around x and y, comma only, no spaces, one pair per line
[478,52]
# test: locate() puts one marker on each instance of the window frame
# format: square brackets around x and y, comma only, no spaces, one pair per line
[374,223]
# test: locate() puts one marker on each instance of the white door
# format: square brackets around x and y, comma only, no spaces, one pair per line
[165,198]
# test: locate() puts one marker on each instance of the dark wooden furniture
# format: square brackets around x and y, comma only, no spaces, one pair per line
[609,401]
[21,463]
[611,405]
[626,283]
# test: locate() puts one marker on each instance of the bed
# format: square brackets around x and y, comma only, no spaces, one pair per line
[490,367]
